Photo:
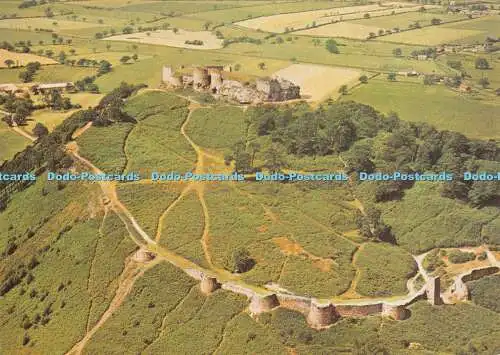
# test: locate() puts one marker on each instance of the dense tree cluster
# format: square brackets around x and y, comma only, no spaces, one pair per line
[29,72]
[19,108]
[242,39]
[87,84]
[369,141]
[49,150]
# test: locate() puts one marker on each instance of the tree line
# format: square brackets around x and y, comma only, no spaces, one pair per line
[369,141]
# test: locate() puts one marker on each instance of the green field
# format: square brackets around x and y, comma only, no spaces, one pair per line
[10,143]
[217,128]
[432,104]
[155,144]
[107,157]
[182,229]
[140,198]
[483,292]
[384,270]
[402,21]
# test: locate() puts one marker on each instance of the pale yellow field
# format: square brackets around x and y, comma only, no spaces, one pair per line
[169,38]
[45,23]
[299,20]
[430,35]
[21,59]
[318,81]
[341,29]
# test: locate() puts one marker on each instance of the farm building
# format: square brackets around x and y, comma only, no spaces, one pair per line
[8,88]
[211,79]
[42,88]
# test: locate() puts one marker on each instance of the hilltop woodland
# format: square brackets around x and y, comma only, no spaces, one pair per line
[371,142]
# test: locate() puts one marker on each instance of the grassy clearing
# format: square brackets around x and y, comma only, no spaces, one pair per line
[10,143]
[402,21]
[321,269]
[147,202]
[487,26]
[109,157]
[49,74]
[218,127]
[384,270]
[169,38]
[156,145]
[429,36]
[412,100]
[183,228]
[21,59]
[46,24]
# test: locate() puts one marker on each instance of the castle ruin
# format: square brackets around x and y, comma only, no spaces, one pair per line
[211,79]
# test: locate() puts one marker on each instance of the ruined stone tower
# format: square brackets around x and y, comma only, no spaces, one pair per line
[261,304]
[395,312]
[201,79]
[209,284]
[215,79]
[321,314]
[433,291]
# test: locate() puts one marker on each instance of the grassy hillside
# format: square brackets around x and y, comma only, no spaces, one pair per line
[67,261]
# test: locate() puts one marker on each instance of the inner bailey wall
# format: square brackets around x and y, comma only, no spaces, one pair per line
[358,310]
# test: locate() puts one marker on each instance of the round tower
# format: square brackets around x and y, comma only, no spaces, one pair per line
[143,256]
[261,304]
[209,284]
[395,312]
[321,314]
[215,80]
[201,79]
